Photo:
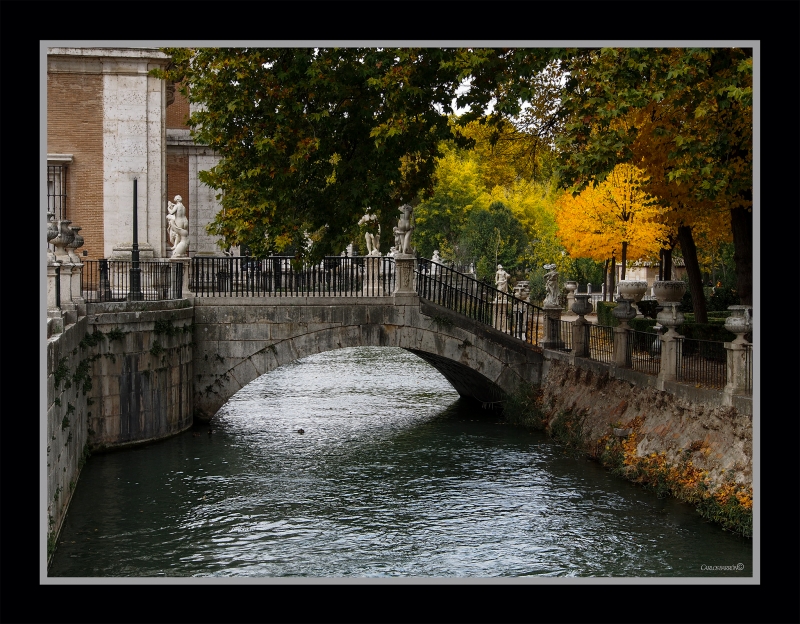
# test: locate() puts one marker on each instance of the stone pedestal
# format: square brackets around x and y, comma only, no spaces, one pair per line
[373,285]
[580,328]
[123,252]
[552,328]
[76,270]
[185,264]
[624,311]
[740,323]
[500,312]
[669,317]
[580,338]
[404,274]
[53,290]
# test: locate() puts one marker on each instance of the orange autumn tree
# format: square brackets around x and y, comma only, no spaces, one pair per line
[687,215]
[617,215]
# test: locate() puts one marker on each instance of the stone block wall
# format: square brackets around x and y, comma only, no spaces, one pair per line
[142,374]
[67,413]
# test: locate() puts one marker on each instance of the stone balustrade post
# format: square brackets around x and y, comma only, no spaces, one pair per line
[404,278]
[580,344]
[580,328]
[738,351]
[623,311]
[621,345]
[184,263]
[552,328]
[670,317]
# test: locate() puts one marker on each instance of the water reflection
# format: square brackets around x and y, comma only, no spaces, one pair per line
[393,476]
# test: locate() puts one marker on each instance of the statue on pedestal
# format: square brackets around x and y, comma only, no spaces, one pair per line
[178,226]
[501,279]
[402,233]
[551,284]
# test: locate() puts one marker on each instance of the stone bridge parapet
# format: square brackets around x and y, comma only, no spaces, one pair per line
[238,340]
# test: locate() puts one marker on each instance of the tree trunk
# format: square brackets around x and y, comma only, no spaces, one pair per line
[605,280]
[613,279]
[742,229]
[624,259]
[686,241]
[666,259]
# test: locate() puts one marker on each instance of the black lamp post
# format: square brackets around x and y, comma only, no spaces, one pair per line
[136,272]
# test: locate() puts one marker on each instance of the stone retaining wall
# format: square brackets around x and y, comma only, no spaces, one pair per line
[694,426]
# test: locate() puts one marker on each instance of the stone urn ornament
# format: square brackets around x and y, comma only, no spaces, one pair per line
[624,310]
[670,316]
[77,242]
[632,289]
[582,305]
[668,290]
[62,239]
[740,322]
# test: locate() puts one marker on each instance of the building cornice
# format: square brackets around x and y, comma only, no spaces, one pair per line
[130,61]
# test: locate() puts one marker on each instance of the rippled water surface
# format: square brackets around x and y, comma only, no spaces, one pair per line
[393,476]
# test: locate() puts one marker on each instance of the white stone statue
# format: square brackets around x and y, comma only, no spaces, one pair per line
[178,226]
[436,258]
[501,279]
[373,243]
[551,284]
[402,233]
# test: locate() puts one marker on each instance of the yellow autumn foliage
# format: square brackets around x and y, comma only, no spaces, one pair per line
[615,217]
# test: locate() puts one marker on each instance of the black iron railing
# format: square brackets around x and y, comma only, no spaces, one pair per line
[478,300]
[702,362]
[286,276]
[644,352]
[109,280]
[601,343]
[565,335]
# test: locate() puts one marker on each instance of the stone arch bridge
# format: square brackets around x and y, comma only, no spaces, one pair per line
[238,339]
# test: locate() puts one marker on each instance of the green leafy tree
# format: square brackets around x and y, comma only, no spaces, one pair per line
[311,137]
[494,236]
[458,189]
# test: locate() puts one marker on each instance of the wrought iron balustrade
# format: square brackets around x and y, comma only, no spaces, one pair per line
[478,300]
[702,362]
[286,276]
[110,280]
[644,351]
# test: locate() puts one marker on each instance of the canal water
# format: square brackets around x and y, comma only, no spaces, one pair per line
[392,476]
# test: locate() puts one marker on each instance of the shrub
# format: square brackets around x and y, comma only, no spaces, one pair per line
[604,316]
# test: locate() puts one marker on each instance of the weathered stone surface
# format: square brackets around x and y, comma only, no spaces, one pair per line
[672,423]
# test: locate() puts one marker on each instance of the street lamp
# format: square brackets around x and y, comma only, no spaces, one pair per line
[136,273]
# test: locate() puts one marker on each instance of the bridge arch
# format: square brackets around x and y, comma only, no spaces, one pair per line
[238,340]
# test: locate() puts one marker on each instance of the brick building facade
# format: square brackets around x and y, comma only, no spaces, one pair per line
[109,121]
